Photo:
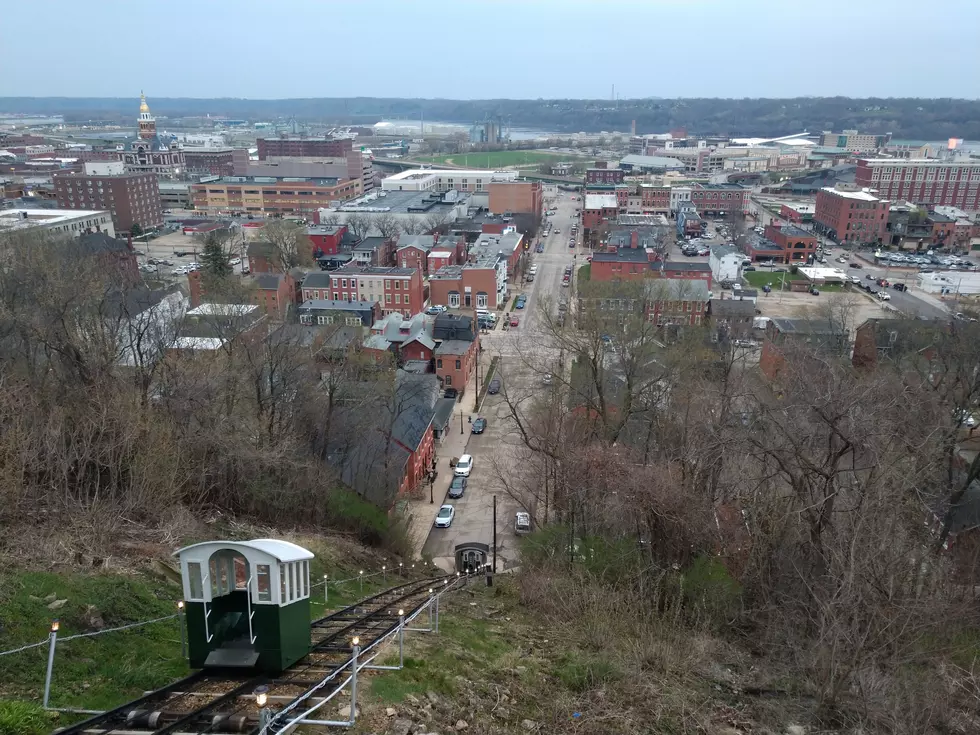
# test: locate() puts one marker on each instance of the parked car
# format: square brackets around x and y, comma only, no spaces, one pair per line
[457,487]
[435,309]
[521,302]
[444,518]
[235,261]
[479,425]
[855,265]
[451,393]
[869,276]
[522,523]
[494,386]
[464,465]
[884,296]
[900,287]
[965,419]
[546,379]
[515,320]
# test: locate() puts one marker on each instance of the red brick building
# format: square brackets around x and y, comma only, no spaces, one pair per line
[398,289]
[300,147]
[782,334]
[923,181]
[262,258]
[412,251]
[796,244]
[604,176]
[326,238]
[796,213]
[456,362]
[677,302]
[131,198]
[719,199]
[847,214]
[214,161]
[655,199]
[516,197]
[473,286]
[115,255]
[599,209]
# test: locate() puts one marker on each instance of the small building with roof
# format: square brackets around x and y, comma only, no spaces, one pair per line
[324,312]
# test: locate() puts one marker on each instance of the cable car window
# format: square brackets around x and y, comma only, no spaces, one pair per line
[282,583]
[195,584]
[263,583]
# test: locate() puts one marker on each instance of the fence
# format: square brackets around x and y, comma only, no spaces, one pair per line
[53,639]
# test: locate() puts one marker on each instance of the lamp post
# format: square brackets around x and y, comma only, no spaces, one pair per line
[356,644]
[325,587]
[262,699]
[384,573]
[180,623]
[52,642]
[461,422]
[432,482]
[401,639]
[360,579]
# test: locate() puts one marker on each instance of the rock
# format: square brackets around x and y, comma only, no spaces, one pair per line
[795,730]
[345,711]
[432,697]
[51,598]
[461,725]
[391,712]
[529,724]
[401,727]
[33,598]
[412,699]
[520,669]
[92,619]
[57,604]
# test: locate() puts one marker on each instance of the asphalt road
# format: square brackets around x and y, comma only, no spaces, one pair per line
[905,302]
[524,356]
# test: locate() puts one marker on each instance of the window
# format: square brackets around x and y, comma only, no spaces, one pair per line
[343,283]
[294,589]
[439,364]
[454,299]
[195,583]
[398,298]
[282,583]
[481,300]
[387,284]
[387,298]
[449,380]
[335,295]
[263,583]
[459,365]
[406,298]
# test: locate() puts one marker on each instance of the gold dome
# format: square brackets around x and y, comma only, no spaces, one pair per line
[143,106]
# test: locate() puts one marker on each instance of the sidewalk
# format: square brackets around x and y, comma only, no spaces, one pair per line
[421,512]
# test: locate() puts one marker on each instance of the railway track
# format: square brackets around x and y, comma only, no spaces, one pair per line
[223,701]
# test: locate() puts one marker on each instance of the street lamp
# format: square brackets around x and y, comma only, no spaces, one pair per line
[261,699]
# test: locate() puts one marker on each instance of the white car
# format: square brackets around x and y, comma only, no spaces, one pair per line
[444,518]
[884,296]
[464,465]
[235,261]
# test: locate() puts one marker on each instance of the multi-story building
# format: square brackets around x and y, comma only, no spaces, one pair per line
[677,302]
[848,214]
[795,243]
[852,140]
[604,175]
[131,198]
[599,209]
[326,239]
[678,196]
[331,147]
[797,212]
[654,199]
[719,199]
[150,153]
[510,245]
[215,161]
[516,197]
[397,289]
[926,181]
[352,165]
[71,222]
[271,196]
[481,284]
[442,180]
[457,349]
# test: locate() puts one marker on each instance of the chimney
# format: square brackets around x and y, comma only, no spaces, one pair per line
[435,238]
[129,242]
[634,239]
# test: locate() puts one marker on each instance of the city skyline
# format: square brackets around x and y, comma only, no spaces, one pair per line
[483,50]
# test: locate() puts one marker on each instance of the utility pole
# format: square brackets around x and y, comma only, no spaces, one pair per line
[494,534]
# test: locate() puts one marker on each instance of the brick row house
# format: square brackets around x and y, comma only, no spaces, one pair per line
[428,253]
[397,289]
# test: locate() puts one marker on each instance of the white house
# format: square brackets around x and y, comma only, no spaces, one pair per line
[725,262]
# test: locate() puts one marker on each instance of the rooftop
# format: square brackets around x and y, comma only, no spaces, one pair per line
[920,162]
[720,187]
[863,195]
[600,201]
[651,162]
[270,180]
[223,310]
[731,308]
[373,270]
[401,202]
[20,218]
[794,231]
[757,242]
[621,255]
[420,173]
[336,305]
[677,289]
[323,229]
[642,219]
[371,243]
[454,347]
[684,266]
[804,326]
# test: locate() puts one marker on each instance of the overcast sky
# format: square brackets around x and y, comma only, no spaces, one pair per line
[474,49]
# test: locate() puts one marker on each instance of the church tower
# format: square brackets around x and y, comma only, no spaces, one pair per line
[148,124]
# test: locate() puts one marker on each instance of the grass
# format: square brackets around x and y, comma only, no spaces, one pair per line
[90,673]
[760,278]
[496,159]
[584,274]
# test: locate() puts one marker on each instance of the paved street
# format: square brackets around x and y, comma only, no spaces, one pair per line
[497,452]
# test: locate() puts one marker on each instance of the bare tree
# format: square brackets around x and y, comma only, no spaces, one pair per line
[436,221]
[290,244]
[332,219]
[386,224]
[413,226]
[359,224]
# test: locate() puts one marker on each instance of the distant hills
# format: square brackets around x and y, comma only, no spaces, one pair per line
[908,118]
